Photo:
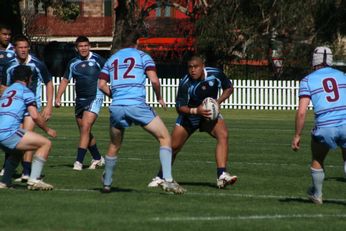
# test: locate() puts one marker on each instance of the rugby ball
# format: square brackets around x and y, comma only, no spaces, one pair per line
[211,104]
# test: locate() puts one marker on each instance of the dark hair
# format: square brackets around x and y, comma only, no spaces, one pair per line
[5,26]
[130,38]
[198,57]
[20,38]
[81,39]
[22,73]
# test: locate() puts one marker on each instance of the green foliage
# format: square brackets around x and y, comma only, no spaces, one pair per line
[67,11]
[251,29]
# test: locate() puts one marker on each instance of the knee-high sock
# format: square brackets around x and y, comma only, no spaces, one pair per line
[7,155]
[110,163]
[166,162]
[317,180]
[81,154]
[36,167]
[94,152]
[10,166]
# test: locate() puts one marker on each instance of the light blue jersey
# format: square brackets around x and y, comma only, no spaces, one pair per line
[13,104]
[326,87]
[40,75]
[125,71]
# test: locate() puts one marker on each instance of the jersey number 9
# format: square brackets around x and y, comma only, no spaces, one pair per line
[330,86]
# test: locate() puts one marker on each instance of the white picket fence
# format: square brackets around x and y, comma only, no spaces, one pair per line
[248,94]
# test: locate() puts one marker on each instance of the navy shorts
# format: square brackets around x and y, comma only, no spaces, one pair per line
[193,122]
[88,104]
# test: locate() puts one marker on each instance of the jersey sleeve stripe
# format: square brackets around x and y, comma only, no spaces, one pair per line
[104,76]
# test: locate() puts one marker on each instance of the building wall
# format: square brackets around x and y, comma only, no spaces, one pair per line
[93,8]
[93,22]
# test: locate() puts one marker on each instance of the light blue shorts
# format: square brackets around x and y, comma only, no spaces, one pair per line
[330,136]
[11,142]
[124,116]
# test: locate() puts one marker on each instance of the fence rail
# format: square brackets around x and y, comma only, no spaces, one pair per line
[248,94]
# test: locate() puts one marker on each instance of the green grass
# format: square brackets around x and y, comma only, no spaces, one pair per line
[269,195]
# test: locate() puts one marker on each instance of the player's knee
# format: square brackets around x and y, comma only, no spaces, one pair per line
[47,143]
[85,128]
[222,135]
[165,141]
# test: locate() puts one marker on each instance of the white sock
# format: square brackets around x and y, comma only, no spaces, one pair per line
[36,167]
[166,162]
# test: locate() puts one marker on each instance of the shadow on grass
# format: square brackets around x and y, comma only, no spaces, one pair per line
[204,184]
[339,179]
[307,201]
[114,190]
[70,166]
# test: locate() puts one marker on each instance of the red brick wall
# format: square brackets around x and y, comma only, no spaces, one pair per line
[88,26]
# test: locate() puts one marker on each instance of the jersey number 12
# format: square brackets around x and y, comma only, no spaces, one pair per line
[129,63]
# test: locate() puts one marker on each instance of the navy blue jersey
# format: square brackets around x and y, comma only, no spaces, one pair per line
[6,56]
[85,72]
[191,92]
[40,75]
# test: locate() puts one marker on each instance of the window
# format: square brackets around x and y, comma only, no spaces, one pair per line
[107,9]
[164,11]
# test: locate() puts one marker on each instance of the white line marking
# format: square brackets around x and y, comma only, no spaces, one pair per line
[213,194]
[202,161]
[254,217]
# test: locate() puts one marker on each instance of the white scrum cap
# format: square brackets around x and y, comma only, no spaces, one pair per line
[322,56]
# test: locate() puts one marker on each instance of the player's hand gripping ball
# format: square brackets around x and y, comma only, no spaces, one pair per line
[211,104]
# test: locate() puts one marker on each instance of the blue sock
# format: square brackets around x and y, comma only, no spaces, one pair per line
[219,171]
[159,174]
[94,152]
[10,166]
[26,168]
[317,180]
[81,154]
[166,162]
[110,163]
[7,155]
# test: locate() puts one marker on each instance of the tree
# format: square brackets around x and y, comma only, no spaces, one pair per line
[10,14]
[236,29]
[129,14]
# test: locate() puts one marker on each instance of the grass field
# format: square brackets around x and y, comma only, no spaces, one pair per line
[269,194]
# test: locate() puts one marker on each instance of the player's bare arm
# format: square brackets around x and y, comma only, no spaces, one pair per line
[2,88]
[156,86]
[40,121]
[226,93]
[103,86]
[61,90]
[47,111]
[300,120]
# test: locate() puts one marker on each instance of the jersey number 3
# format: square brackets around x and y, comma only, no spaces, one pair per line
[331,86]
[129,63]
[9,98]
